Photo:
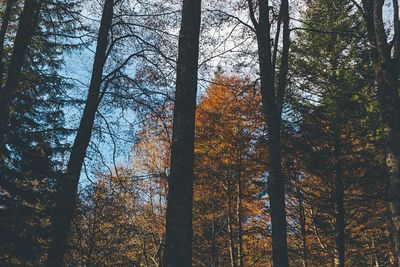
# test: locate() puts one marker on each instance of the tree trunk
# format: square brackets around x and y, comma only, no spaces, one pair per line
[303,232]
[28,21]
[3,31]
[232,250]
[339,198]
[179,228]
[277,197]
[68,184]
[386,75]
[272,99]
[239,218]
[214,255]
[375,259]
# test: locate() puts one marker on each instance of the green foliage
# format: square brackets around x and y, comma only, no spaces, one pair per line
[36,139]
[338,135]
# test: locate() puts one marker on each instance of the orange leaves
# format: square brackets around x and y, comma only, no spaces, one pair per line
[229,124]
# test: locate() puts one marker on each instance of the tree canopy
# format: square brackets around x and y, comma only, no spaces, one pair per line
[199,133]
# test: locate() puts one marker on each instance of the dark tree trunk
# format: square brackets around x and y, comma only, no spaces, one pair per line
[386,71]
[277,197]
[214,255]
[339,203]
[68,184]
[272,99]
[303,232]
[239,217]
[179,228]
[232,251]
[3,31]
[26,27]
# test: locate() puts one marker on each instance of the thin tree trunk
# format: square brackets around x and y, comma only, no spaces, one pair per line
[68,184]
[146,260]
[214,262]
[240,226]
[92,236]
[303,232]
[321,244]
[28,21]
[232,253]
[386,74]
[339,198]
[239,214]
[3,31]
[272,99]
[179,225]
[375,260]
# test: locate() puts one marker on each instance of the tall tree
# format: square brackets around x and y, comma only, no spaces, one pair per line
[28,21]
[386,57]
[68,184]
[179,226]
[331,46]
[116,225]
[273,88]
[3,31]
[34,137]
[339,125]
[229,166]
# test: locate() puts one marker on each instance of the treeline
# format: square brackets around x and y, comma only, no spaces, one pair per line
[262,133]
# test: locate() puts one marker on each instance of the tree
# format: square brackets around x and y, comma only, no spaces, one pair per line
[273,88]
[68,184]
[179,229]
[339,147]
[386,69]
[229,168]
[35,136]
[28,22]
[337,19]
[293,161]
[3,31]
[117,222]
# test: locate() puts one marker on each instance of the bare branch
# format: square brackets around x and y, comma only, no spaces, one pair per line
[252,16]
[234,17]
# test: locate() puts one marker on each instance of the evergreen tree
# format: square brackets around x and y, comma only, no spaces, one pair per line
[339,133]
[35,139]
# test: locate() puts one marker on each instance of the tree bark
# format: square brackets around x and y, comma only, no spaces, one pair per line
[232,251]
[339,203]
[3,31]
[68,184]
[272,100]
[239,217]
[214,255]
[28,21]
[179,228]
[386,75]
[303,232]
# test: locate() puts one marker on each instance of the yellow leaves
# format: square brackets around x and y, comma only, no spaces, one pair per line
[230,101]
[228,125]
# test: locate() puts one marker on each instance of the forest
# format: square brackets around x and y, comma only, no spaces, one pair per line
[206,133]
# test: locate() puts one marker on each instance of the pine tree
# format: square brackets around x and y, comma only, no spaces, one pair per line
[35,137]
[339,133]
